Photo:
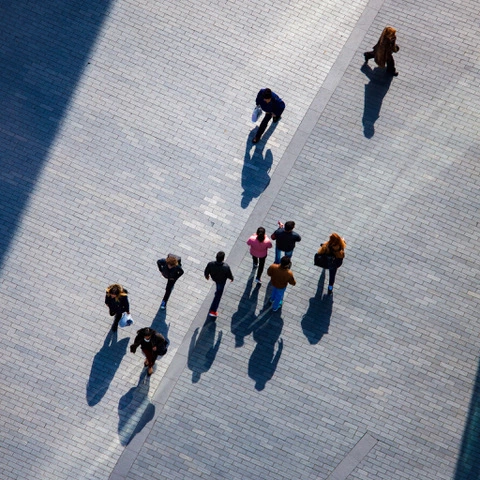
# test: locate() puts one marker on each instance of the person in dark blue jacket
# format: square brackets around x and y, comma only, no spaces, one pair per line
[272,105]
[220,272]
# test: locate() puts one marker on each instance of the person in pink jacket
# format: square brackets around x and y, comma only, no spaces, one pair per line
[259,245]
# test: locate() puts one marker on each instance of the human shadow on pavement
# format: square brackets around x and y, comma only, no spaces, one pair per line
[244,318]
[104,366]
[375,92]
[203,349]
[256,167]
[316,321]
[468,463]
[264,360]
[135,410]
[159,323]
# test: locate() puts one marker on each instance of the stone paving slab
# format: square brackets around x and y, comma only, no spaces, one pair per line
[125,181]
[401,355]
[125,138]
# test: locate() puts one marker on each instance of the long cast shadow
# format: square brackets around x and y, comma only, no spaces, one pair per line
[316,321]
[159,323]
[264,360]
[104,366]
[375,92]
[45,47]
[203,349]
[468,463]
[244,318]
[135,410]
[256,167]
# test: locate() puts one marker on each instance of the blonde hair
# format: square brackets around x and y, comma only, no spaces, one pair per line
[117,290]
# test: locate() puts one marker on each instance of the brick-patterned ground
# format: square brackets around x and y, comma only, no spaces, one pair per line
[126,137]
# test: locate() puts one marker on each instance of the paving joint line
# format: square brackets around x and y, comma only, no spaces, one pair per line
[259,213]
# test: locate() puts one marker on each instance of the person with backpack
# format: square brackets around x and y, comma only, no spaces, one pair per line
[334,248]
[153,345]
[171,269]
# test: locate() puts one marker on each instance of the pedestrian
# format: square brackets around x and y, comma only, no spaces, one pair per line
[259,245]
[220,273]
[281,276]
[384,49]
[116,298]
[172,270]
[334,247]
[285,239]
[153,345]
[272,105]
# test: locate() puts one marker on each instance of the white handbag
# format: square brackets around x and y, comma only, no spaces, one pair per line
[126,320]
[256,114]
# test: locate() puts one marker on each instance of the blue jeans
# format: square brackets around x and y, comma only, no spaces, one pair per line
[278,254]
[217,297]
[277,297]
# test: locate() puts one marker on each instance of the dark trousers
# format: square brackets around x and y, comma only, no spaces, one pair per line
[261,265]
[168,290]
[117,318]
[390,61]
[264,124]
[217,297]
[332,272]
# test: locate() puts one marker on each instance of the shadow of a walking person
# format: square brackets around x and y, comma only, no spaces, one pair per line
[256,167]
[203,349]
[244,318]
[160,325]
[135,410]
[264,360]
[316,321]
[104,366]
[375,91]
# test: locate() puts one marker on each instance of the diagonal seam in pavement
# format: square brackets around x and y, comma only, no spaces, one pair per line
[235,257]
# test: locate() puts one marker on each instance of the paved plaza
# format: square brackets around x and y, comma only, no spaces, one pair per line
[125,134]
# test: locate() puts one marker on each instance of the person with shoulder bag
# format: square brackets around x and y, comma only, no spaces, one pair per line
[171,269]
[152,344]
[333,253]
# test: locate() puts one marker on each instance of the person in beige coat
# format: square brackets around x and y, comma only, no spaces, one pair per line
[384,49]
[281,276]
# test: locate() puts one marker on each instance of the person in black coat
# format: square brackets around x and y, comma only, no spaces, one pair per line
[153,345]
[220,273]
[285,240]
[170,268]
[116,298]
[272,105]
